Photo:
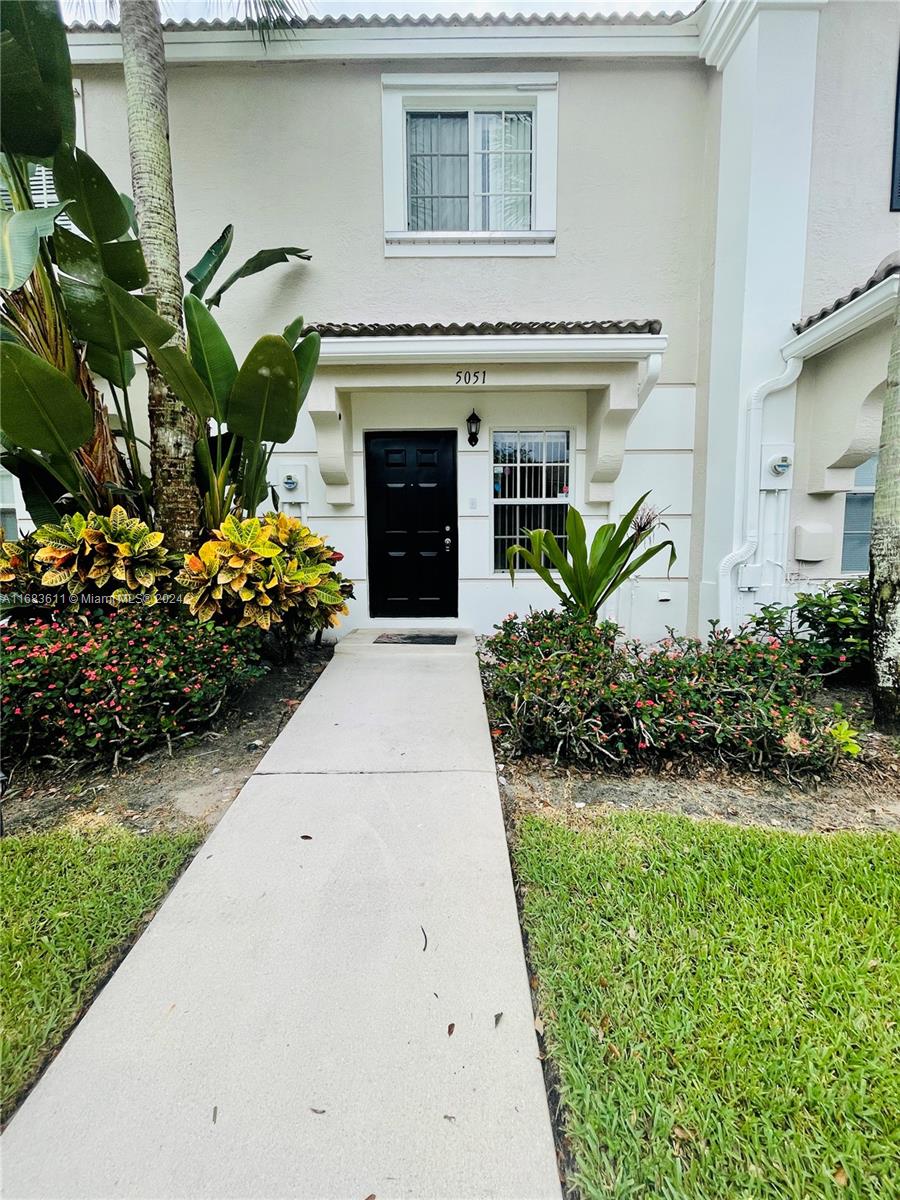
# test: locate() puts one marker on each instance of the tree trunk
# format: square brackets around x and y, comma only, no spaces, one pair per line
[173,428]
[884,563]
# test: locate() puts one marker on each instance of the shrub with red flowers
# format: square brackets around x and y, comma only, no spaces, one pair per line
[558,686]
[109,683]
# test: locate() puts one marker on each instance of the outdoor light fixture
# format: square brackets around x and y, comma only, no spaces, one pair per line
[473,424]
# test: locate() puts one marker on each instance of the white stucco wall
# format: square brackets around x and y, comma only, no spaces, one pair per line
[851,227]
[658,455]
[291,154]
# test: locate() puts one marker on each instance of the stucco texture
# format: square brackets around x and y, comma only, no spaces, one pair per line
[840,396]
[291,153]
[851,227]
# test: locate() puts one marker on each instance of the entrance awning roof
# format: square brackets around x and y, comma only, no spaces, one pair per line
[336,329]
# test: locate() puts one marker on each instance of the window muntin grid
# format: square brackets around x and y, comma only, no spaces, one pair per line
[531,471]
[470,170]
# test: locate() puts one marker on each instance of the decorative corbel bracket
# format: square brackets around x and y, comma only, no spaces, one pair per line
[840,449]
[331,413]
[610,411]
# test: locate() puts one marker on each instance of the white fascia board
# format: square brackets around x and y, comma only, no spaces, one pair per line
[510,348]
[866,310]
[724,22]
[610,41]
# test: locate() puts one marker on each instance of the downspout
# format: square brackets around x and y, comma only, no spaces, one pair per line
[752,440]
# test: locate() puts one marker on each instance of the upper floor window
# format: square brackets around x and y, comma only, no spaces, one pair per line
[470,171]
[470,164]
[858,518]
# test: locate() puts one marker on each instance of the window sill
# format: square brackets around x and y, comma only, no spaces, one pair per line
[531,243]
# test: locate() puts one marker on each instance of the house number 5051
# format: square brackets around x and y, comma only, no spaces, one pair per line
[471,377]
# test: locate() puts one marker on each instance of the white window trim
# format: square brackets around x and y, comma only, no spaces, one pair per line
[401,94]
[527,572]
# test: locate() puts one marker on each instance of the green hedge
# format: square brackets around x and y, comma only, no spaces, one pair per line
[99,684]
[557,685]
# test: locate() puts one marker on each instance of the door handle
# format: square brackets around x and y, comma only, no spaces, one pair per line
[447,544]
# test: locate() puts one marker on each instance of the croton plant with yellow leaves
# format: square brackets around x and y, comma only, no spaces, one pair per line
[268,571]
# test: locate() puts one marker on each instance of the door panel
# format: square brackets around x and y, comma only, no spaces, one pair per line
[411,524]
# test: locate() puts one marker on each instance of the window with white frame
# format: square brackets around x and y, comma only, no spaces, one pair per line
[530,486]
[8,521]
[469,171]
[469,164]
[858,518]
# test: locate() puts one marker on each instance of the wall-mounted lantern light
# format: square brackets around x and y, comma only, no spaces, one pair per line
[473,424]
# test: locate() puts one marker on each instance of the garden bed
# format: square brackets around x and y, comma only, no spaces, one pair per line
[164,791]
[862,793]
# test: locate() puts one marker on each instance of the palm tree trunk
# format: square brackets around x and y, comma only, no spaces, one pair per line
[173,428]
[884,563]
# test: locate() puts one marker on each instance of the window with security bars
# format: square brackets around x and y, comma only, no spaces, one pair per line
[531,486]
[470,170]
[858,518]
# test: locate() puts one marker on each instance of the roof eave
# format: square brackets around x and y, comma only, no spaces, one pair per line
[856,315]
[197,44]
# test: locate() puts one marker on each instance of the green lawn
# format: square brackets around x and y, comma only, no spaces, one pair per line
[69,902]
[722,1005]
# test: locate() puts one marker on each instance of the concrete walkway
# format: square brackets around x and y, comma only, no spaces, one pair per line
[314,1010]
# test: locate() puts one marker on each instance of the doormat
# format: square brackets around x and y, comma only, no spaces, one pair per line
[417,639]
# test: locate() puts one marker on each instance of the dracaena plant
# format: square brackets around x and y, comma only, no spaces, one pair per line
[585,577]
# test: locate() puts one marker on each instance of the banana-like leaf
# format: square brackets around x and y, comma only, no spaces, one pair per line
[37,108]
[292,331]
[306,356]
[96,208]
[201,275]
[122,261]
[210,353]
[154,333]
[146,325]
[132,215]
[41,491]
[42,407]
[118,369]
[91,319]
[261,261]
[20,242]
[264,401]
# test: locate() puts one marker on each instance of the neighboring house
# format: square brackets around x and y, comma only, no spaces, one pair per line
[626,244]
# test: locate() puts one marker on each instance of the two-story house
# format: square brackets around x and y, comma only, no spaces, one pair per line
[557,260]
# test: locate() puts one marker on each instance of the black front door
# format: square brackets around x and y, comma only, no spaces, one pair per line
[411,519]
